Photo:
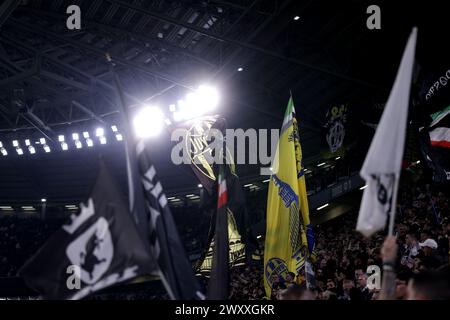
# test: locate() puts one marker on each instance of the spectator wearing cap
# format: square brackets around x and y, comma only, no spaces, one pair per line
[429,249]
[428,246]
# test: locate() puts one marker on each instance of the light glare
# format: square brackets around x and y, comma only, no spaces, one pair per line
[322,207]
[148,122]
[99,132]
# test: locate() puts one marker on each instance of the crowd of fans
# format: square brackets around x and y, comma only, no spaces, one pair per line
[20,238]
[247,283]
[342,255]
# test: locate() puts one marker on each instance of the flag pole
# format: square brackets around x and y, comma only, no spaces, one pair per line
[139,202]
[122,103]
[394,205]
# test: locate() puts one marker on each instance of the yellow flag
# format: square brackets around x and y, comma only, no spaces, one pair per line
[289,237]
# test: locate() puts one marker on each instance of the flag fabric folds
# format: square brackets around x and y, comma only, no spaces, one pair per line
[242,242]
[289,236]
[148,205]
[219,280]
[381,168]
[175,270]
[97,248]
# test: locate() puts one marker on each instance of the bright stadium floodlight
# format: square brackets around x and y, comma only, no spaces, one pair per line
[46,148]
[177,116]
[27,142]
[181,104]
[148,122]
[100,132]
[114,128]
[119,137]
[208,97]
[42,140]
[19,151]
[203,100]
[75,136]
[200,185]
[102,140]
[32,149]
[89,142]
[1,144]
[43,200]
[78,144]
[64,146]
[86,134]
[4,152]
[15,143]
[61,138]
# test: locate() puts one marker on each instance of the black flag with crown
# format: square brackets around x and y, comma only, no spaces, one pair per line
[99,247]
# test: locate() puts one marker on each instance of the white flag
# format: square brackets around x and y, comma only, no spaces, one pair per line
[381,168]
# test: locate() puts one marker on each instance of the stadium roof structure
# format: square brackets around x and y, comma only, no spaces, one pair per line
[54,80]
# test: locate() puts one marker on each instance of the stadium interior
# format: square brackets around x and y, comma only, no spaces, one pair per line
[59,113]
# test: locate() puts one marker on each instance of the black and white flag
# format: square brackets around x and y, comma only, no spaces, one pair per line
[149,207]
[381,168]
[99,247]
[175,270]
